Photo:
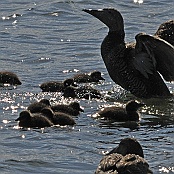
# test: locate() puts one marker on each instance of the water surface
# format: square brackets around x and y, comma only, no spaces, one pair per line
[53,40]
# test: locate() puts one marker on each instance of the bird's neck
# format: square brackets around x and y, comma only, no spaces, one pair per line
[116,36]
[112,51]
[114,41]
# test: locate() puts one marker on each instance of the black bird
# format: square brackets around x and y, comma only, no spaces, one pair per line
[166,31]
[127,158]
[58,118]
[38,106]
[71,109]
[69,92]
[135,66]
[129,113]
[56,86]
[29,120]
[11,78]
[94,76]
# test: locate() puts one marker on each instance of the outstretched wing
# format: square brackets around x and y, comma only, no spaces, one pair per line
[153,53]
[144,60]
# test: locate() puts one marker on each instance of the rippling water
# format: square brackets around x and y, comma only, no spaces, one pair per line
[52,40]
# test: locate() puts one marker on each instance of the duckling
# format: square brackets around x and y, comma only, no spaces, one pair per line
[38,106]
[11,78]
[56,86]
[58,118]
[28,120]
[129,113]
[166,31]
[86,92]
[71,109]
[127,158]
[69,92]
[94,76]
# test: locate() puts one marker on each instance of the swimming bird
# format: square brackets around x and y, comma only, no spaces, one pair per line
[38,106]
[11,78]
[119,114]
[136,67]
[69,92]
[127,158]
[86,92]
[94,76]
[56,86]
[29,120]
[58,118]
[166,31]
[72,109]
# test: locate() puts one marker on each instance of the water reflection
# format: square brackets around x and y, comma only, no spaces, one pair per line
[158,112]
[110,124]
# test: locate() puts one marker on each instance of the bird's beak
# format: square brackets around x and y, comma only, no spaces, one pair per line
[101,78]
[17,119]
[96,13]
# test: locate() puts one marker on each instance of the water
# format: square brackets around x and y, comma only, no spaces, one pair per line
[51,40]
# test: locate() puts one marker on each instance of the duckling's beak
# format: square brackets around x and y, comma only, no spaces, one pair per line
[101,78]
[17,119]
[141,105]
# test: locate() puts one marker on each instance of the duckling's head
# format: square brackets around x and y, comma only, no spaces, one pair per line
[47,112]
[69,82]
[133,105]
[45,101]
[96,75]
[16,81]
[24,115]
[76,106]
[128,146]
[70,92]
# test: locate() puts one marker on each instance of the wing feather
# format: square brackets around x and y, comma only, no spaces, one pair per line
[163,53]
[144,60]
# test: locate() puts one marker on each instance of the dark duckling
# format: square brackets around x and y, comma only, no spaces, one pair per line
[38,106]
[135,66]
[166,31]
[129,113]
[28,120]
[127,158]
[11,78]
[94,76]
[55,86]
[71,109]
[69,92]
[86,92]
[58,118]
